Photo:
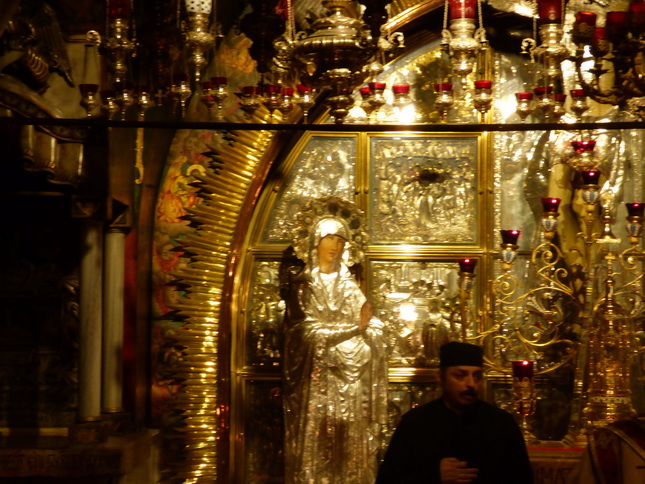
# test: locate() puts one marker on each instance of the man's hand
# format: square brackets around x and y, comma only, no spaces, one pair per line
[454,471]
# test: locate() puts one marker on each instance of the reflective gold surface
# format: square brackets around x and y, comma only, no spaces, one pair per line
[540,303]
[208,248]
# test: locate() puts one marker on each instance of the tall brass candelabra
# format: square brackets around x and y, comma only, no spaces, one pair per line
[583,317]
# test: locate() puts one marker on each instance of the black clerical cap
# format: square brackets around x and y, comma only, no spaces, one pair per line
[456,353]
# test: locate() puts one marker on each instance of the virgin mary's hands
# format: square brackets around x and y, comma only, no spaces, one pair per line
[367,311]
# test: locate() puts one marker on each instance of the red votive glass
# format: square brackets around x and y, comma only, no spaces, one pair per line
[365,91]
[583,27]
[483,84]
[599,34]
[375,86]
[550,11]
[550,205]
[118,8]
[88,88]
[524,96]
[541,91]
[250,90]
[443,87]
[590,177]
[637,16]
[616,26]
[510,236]
[522,369]
[302,88]
[635,209]
[461,8]
[577,93]
[467,265]
[586,18]
[599,43]
[401,88]
[219,80]
[583,146]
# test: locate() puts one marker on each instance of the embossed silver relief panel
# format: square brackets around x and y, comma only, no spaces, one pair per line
[326,166]
[418,302]
[265,314]
[423,190]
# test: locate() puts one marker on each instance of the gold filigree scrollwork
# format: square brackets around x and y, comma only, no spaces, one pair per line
[534,321]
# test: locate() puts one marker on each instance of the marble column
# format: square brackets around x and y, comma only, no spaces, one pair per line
[90,315]
[113,307]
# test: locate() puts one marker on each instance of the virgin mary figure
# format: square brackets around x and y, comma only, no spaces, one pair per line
[335,366]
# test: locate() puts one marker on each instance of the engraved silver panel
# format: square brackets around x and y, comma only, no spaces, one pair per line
[326,166]
[418,302]
[423,190]
[265,313]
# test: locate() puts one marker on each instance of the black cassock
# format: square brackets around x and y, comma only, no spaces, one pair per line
[486,437]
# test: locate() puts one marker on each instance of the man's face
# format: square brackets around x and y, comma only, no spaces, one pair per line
[461,385]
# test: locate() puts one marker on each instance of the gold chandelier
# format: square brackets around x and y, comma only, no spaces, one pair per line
[608,58]
[342,49]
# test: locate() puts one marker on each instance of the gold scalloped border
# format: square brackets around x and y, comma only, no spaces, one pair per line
[223,190]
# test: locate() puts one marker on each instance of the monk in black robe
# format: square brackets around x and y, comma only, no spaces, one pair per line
[457,438]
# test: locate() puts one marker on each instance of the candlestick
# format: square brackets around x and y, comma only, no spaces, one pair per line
[524,104]
[444,100]
[579,104]
[524,395]
[483,96]
[305,100]
[583,158]
[509,248]
[599,43]
[376,99]
[634,225]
